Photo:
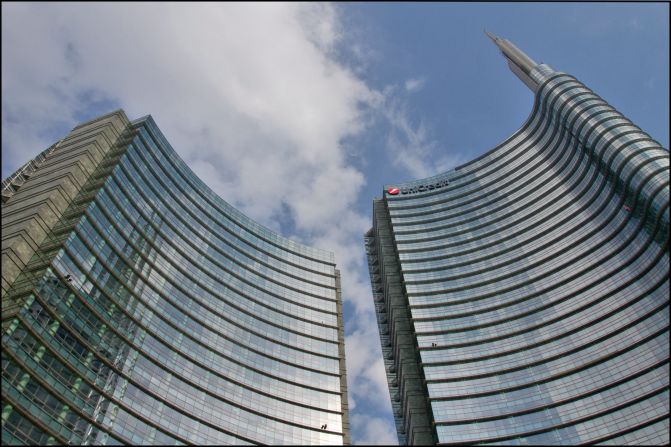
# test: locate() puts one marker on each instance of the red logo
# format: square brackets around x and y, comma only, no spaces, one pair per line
[393,191]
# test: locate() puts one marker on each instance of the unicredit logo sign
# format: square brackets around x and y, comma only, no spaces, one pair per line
[421,188]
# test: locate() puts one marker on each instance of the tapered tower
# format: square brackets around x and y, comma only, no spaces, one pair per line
[522,298]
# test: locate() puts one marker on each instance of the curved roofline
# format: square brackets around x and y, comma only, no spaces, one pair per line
[250,225]
[538,72]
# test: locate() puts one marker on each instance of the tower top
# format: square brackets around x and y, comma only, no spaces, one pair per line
[518,61]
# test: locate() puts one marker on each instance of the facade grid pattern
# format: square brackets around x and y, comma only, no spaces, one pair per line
[537,280]
[155,313]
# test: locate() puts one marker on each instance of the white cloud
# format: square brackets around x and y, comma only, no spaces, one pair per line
[414,84]
[411,146]
[364,356]
[368,382]
[378,431]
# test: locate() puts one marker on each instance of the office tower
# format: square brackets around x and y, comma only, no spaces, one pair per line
[522,298]
[138,307]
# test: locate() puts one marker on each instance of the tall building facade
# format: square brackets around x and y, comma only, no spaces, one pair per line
[138,307]
[523,297]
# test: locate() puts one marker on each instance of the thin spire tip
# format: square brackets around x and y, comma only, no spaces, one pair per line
[491,36]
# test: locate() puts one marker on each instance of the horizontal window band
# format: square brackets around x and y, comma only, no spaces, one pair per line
[664,417]
[174,406]
[551,358]
[195,340]
[566,316]
[185,292]
[607,180]
[652,262]
[639,227]
[127,341]
[119,230]
[140,191]
[543,342]
[173,325]
[526,203]
[566,373]
[561,318]
[183,166]
[7,399]
[561,375]
[195,218]
[29,327]
[532,236]
[559,403]
[565,424]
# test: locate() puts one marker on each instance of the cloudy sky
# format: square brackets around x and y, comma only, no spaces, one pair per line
[297,114]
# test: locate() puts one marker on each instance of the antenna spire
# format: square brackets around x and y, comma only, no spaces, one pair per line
[518,61]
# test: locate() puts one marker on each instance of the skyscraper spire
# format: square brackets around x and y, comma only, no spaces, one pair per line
[518,61]
[598,192]
[491,36]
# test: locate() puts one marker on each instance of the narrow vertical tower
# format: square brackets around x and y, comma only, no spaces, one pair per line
[523,297]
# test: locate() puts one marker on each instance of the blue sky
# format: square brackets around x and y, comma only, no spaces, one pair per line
[298,113]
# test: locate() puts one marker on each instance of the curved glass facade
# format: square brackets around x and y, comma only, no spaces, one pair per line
[155,313]
[523,298]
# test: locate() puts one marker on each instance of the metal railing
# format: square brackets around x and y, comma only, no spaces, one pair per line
[14,181]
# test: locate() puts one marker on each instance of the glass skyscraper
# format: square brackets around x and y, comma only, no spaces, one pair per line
[138,307]
[523,297]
